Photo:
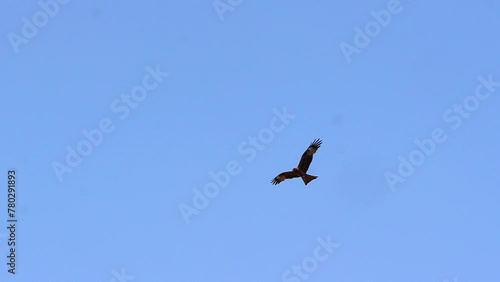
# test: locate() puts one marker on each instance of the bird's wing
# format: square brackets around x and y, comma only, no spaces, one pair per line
[284,175]
[307,157]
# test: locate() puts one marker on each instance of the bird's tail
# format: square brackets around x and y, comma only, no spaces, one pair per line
[308,178]
[305,177]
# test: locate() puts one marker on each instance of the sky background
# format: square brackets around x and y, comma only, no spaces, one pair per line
[118,210]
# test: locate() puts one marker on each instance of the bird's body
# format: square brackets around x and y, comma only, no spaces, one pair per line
[301,169]
[293,174]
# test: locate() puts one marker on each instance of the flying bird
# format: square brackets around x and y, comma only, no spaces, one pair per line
[301,169]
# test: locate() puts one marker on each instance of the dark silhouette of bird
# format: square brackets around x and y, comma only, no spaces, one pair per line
[301,169]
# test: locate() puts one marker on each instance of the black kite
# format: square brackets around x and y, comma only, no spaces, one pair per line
[301,169]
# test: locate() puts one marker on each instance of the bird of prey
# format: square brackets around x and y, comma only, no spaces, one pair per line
[301,169]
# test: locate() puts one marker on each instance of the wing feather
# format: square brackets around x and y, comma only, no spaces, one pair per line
[283,176]
[307,156]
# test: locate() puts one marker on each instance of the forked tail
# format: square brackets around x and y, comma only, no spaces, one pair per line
[308,178]
[305,177]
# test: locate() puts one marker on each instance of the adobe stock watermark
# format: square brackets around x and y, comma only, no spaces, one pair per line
[310,264]
[221,179]
[454,116]
[121,276]
[363,36]
[48,9]
[121,107]
[223,6]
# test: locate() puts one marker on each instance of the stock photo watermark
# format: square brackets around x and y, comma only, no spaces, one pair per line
[310,264]
[221,7]
[31,27]
[11,222]
[122,108]
[121,276]
[221,179]
[371,29]
[454,116]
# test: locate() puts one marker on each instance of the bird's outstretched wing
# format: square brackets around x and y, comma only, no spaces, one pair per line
[307,157]
[284,175]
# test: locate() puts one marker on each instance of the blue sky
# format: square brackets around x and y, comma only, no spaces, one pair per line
[116,118]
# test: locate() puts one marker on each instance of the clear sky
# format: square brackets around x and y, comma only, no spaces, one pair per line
[145,135]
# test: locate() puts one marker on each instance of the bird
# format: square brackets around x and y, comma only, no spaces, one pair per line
[301,169]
